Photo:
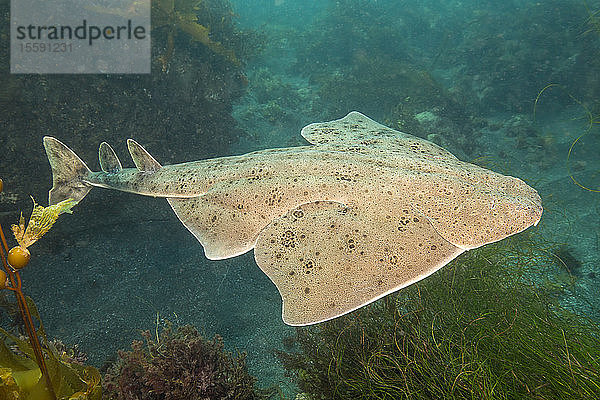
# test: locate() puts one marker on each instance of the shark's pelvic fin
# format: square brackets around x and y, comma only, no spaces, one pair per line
[142,159]
[109,162]
[68,172]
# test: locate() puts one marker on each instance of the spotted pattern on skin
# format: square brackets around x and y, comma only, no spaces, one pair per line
[361,211]
[346,256]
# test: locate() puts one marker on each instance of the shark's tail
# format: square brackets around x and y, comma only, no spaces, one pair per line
[68,172]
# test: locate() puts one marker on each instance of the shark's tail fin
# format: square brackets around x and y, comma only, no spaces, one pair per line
[68,172]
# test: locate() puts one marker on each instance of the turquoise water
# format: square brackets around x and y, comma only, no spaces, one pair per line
[463,74]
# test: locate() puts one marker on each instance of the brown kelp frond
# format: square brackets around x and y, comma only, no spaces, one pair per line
[182,16]
[21,376]
[40,222]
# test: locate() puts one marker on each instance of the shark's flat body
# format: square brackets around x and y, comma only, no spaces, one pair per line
[361,212]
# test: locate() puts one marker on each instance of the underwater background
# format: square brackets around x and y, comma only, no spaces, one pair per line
[513,86]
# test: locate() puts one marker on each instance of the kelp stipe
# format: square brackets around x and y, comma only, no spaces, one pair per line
[20,258]
[50,377]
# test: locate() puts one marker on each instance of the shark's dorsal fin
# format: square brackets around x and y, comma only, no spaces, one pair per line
[141,158]
[109,162]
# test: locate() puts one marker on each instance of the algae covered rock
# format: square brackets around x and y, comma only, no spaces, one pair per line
[179,364]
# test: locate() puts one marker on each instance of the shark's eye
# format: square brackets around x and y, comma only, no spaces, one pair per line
[18,257]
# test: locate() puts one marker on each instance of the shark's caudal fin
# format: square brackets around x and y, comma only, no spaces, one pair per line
[68,172]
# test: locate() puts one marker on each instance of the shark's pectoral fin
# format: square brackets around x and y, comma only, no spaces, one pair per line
[228,218]
[356,129]
[222,231]
[327,259]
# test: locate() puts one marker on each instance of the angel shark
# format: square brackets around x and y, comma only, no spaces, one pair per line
[360,212]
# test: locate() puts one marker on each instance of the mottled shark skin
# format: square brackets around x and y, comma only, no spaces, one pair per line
[360,212]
